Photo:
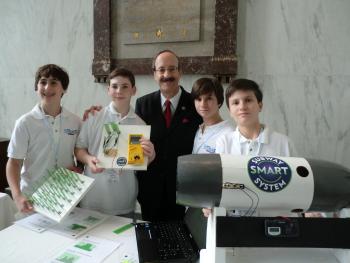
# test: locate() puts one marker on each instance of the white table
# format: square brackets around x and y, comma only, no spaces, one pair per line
[7,211]
[18,244]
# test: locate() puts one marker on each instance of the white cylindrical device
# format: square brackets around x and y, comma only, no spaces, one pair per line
[266,183]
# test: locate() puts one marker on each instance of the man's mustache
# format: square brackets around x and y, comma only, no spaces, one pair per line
[167,79]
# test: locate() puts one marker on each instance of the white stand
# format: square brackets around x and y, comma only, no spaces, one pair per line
[212,253]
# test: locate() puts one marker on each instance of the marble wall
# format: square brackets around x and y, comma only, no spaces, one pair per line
[296,50]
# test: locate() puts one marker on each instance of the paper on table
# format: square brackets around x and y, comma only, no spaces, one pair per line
[78,222]
[87,249]
[36,222]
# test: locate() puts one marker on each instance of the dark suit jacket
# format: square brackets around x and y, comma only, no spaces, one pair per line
[157,185]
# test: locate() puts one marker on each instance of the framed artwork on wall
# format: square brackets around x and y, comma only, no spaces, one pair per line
[128,33]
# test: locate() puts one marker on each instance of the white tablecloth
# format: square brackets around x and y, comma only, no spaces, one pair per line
[19,244]
[7,211]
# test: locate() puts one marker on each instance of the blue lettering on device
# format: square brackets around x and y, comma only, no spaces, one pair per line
[269,174]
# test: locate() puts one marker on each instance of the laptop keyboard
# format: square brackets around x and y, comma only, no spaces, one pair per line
[170,238]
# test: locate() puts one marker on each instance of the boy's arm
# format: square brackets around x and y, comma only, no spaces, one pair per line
[91,161]
[13,171]
[93,110]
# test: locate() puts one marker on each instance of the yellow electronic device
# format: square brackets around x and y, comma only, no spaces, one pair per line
[135,152]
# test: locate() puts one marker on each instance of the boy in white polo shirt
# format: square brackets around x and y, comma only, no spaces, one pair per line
[208,96]
[43,138]
[114,192]
[244,101]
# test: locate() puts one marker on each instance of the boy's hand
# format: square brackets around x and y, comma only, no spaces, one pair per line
[206,212]
[92,110]
[92,163]
[148,149]
[22,203]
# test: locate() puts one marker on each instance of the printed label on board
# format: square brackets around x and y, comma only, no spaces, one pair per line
[121,161]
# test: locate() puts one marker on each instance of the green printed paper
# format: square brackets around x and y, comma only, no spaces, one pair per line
[58,192]
[123,228]
[91,220]
[76,226]
[68,258]
[85,246]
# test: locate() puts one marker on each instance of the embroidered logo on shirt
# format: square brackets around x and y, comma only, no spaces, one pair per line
[70,131]
[269,174]
[209,149]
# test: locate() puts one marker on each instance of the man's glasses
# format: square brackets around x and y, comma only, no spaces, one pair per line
[169,69]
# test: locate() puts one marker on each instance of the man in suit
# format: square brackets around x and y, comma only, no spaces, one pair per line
[174,121]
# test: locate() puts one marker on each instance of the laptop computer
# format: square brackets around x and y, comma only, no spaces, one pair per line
[172,241]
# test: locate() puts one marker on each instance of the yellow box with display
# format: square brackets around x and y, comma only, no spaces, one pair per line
[135,152]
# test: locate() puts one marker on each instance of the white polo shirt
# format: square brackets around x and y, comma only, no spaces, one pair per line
[268,143]
[114,192]
[39,140]
[205,142]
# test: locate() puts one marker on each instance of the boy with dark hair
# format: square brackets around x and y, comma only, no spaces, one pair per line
[208,96]
[244,85]
[244,101]
[43,138]
[114,191]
